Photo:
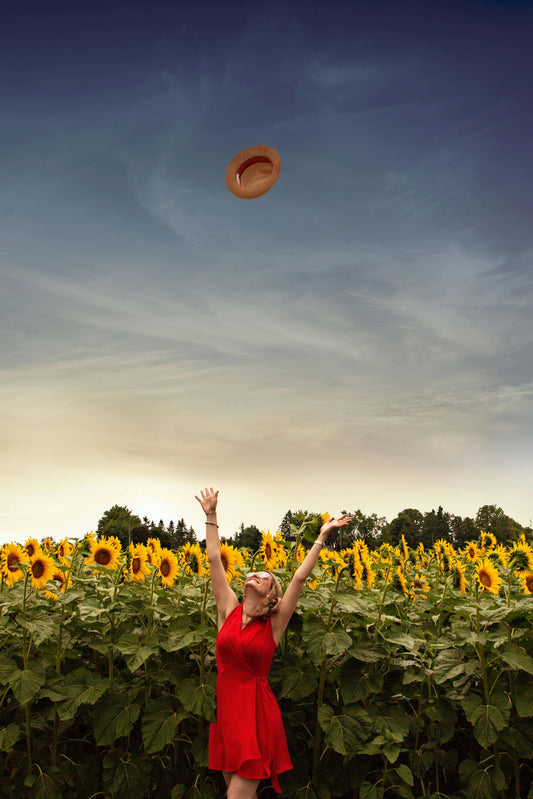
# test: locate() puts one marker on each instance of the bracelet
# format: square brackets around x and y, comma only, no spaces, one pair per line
[213,523]
[319,543]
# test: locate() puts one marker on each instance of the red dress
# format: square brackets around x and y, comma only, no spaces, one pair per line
[248,736]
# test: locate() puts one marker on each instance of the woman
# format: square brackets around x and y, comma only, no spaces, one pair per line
[247,741]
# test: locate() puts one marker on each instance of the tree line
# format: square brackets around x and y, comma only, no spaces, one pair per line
[416,527]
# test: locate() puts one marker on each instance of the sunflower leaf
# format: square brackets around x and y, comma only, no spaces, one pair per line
[115,718]
[159,725]
[25,683]
[517,658]
[9,736]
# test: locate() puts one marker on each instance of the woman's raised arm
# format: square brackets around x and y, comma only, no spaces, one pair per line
[225,598]
[287,606]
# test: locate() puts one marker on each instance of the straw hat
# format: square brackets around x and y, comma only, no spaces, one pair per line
[253,171]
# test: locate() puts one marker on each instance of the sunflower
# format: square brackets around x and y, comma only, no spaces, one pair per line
[325,517]
[331,561]
[167,567]
[499,555]
[115,542]
[487,540]
[41,569]
[521,557]
[197,561]
[102,554]
[59,578]
[488,576]
[269,551]
[398,580]
[360,548]
[153,547]
[419,587]
[471,551]
[32,546]
[368,574]
[527,582]
[192,559]
[300,554]
[404,547]
[63,551]
[357,571]
[48,544]
[231,560]
[138,564]
[12,555]
[458,577]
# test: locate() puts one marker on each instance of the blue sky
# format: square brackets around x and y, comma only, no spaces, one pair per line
[359,337]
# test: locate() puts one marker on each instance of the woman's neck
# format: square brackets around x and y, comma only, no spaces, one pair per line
[250,611]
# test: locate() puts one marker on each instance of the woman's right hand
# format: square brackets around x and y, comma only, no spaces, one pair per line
[208,501]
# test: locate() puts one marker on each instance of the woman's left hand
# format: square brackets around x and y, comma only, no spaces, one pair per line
[334,524]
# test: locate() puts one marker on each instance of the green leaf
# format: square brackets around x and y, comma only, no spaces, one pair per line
[369,791]
[335,643]
[405,773]
[482,785]
[517,658]
[343,733]
[367,652]
[197,698]
[7,667]
[25,684]
[299,684]
[80,688]
[352,604]
[137,649]
[115,719]
[9,736]
[402,639]
[449,664]
[127,777]
[356,687]
[45,787]
[178,791]
[523,696]
[470,704]
[42,628]
[488,720]
[159,725]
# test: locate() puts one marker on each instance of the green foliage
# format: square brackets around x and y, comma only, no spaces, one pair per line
[109,691]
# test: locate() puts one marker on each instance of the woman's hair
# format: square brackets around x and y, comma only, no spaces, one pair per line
[269,604]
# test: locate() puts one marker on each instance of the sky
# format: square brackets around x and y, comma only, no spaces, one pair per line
[360,337]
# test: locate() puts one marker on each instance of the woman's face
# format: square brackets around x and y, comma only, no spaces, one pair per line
[259,581]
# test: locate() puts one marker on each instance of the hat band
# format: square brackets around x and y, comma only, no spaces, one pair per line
[258,159]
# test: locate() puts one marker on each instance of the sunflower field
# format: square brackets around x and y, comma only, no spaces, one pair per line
[403,673]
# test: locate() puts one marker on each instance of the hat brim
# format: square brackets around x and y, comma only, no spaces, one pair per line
[253,171]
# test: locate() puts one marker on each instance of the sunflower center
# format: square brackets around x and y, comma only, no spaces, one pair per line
[225,562]
[12,561]
[136,565]
[37,569]
[164,568]
[268,551]
[529,582]
[102,557]
[485,578]
[30,549]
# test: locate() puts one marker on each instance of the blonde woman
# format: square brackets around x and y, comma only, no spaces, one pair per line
[247,741]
